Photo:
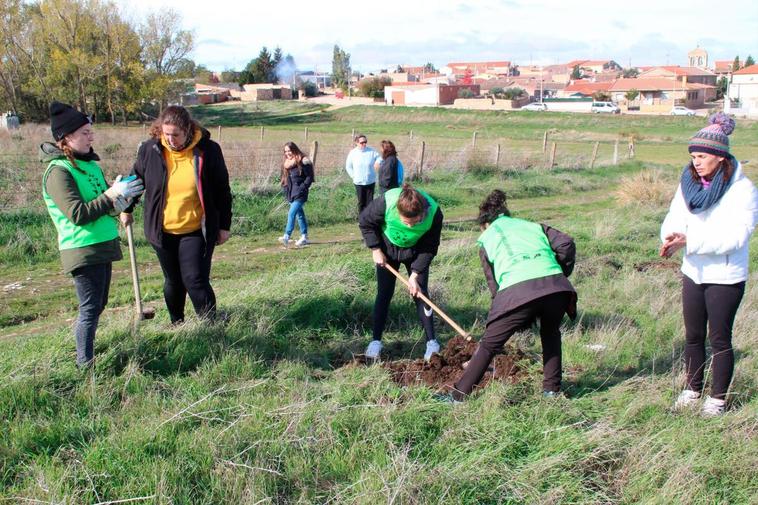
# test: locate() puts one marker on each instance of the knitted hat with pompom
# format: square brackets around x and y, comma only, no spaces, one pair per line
[714,138]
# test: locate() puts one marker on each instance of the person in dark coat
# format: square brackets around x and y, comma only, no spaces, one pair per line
[402,226]
[387,170]
[527,267]
[188,207]
[297,177]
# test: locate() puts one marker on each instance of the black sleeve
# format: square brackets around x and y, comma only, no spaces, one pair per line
[370,222]
[309,174]
[138,169]
[221,189]
[489,273]
[62,188]
[428,244]
[388,172]
[564,248]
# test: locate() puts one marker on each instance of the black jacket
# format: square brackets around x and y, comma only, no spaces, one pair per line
[213,187]
[388,173]
[420,255]
[524,292]
[299,180]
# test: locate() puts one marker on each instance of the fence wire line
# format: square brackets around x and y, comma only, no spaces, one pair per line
[256,164]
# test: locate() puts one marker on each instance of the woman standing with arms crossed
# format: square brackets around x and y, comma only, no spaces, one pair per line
[402,226]
[83,209]
[527,267]
[297,177]
[188,207]
[712,216]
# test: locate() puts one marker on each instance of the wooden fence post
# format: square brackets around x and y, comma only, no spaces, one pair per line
[552,155]
[352,135]
[497,157]
[631,147]
[473,140]
[262,133]
[314,152]
[410,136]
[616,152]
[594,155]
[420,169]
[219,134]
[544,143]
[306,134]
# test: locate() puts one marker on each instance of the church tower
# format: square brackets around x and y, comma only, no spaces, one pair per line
[698,57]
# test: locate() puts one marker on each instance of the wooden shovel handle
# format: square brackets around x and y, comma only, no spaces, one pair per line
[135,274]
[427,301]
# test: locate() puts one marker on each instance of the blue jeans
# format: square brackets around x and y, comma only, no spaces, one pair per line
[92,283]
[296,210]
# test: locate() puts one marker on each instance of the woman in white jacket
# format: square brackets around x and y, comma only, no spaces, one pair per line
[712,216]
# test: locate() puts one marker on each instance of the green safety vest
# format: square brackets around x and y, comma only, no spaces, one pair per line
[91,184]
[519,251]
[398,233]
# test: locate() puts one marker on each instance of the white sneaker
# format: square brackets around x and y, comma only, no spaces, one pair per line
[686,398]
[432,347]
[302,241]
[284,240]
[374,349]
[713,407]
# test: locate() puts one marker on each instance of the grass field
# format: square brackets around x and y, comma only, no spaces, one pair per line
[264,410]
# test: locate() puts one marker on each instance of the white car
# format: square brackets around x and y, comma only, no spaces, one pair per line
[680,110]
[535,106]
[605,107]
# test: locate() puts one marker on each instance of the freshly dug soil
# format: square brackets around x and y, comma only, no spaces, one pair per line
[444,369]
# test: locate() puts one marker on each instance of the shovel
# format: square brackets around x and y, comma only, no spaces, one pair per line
[427,301]
[142,313]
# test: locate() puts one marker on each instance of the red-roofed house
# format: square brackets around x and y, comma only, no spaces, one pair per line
[660,94]
[583,88]
[498,68]
[596,66]
[743,92]
[723,67]
[685,75]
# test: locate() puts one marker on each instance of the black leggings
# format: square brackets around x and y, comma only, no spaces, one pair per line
[386,288]
[365,194]
[186,266]
[549,310]
[710,307]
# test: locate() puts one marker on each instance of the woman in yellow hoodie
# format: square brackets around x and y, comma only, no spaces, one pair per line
[188,207]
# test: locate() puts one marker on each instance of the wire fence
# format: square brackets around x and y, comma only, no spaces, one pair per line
[254,163]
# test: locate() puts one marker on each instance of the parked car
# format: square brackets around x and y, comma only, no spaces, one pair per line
[605,107]
[680,110]
[535,106]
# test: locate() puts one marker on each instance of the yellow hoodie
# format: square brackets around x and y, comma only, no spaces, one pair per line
[183,211]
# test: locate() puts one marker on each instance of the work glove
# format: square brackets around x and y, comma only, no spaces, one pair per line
[120,204]
[128,188]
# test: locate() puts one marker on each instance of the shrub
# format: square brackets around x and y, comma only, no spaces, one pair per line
[513,93]
[374,87]
[644,188]
[465,93]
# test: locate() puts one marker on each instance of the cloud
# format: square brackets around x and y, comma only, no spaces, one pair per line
[621,25]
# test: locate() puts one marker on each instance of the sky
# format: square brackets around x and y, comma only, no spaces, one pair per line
[384,34]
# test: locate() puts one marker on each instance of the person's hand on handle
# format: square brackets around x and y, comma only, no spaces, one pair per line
[126,219]
[413,288]
[672,244]
[378,256]
[223,236]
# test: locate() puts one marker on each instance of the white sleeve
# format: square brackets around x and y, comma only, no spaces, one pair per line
[349,164]
[732,234]
[676,219]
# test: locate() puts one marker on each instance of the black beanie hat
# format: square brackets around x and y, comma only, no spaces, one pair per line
[64,119]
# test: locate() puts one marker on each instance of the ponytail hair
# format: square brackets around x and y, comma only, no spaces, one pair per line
[411,203]
[67,151]
[493,207]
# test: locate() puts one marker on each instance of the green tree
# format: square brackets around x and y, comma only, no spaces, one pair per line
[429,68]
[736,63]
[576,72]
[340,68]
[465,93]
[513,93]
[374,86]
[749,61]
[631,95]
[601,96]
[497,91]
[721,87]
[630,73]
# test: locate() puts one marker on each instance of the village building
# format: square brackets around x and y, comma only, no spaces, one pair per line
[743,92]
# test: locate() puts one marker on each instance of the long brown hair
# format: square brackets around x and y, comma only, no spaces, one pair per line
[63,145]
[726,166]
[178,116]
[411,203]
[298,155]
[388,149]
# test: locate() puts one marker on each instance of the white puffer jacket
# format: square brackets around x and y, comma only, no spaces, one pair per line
[718,238]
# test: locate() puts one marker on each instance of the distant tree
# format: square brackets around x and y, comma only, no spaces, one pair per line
[631,95]
[230,76]
[576,72]
[310,88]
[429,68]
[513,93]
[601,96]
[736,63]
[721,87]
[749,61]
[496,91]
[260,69]
[465,93]
[374,86]
[630,73]
[340,68]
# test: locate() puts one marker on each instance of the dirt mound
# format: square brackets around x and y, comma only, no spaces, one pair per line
[444,369]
